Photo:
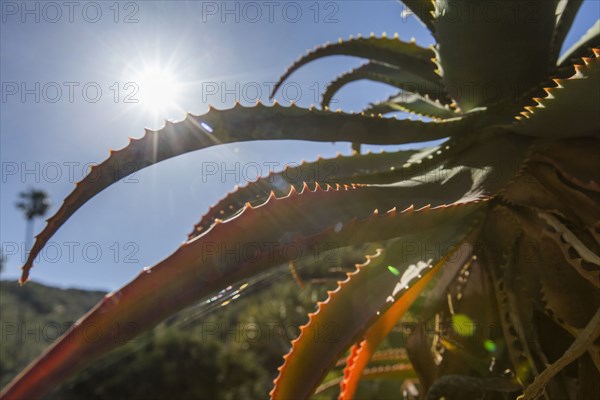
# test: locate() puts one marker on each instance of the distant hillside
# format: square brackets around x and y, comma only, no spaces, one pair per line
[165,362]
[32,317]
[219,349]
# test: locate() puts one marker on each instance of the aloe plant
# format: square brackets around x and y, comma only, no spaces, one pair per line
[508,203]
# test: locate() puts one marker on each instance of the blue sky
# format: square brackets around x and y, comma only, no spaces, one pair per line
[47,143]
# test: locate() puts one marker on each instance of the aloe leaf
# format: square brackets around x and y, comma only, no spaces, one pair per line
[584,342]
[461,305]
[558,282]
[463,168]
[393,51]
[187,275]
[461,295]
[583,47]
[235,125]
[414,104]
[393,354]
[574,250]
[531,274]
[540,187]
[469,309]
[357,168]
[421,357]
[575,159]
[423,9]
[260,239]
[556,278]
[551,244]
[497,158]
[401,78]
[570,109]
[520,37]
[435,298]
[398,371]
[565,20]
[503,266]
[488,165]
[371,289]
[584,203]
[363,352]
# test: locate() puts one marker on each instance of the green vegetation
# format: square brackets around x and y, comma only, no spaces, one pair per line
[493,234]
[32,317]
[209,351]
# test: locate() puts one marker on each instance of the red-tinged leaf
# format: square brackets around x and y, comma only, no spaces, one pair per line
[262,237]
[371,289]
[363,351]
[340,170]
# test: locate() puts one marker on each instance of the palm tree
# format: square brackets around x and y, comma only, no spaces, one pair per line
[34,203]
[2,261]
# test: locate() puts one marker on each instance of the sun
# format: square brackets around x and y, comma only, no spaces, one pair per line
[158,90]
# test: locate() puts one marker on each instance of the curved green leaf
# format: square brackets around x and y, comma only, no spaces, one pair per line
[583,47]
[414,104]
[566,16]
[442,170]
[423,9]
[570,109]
[503,58]
[503,230]
[392,51]
[236,125]
[358,168]
[399,77]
